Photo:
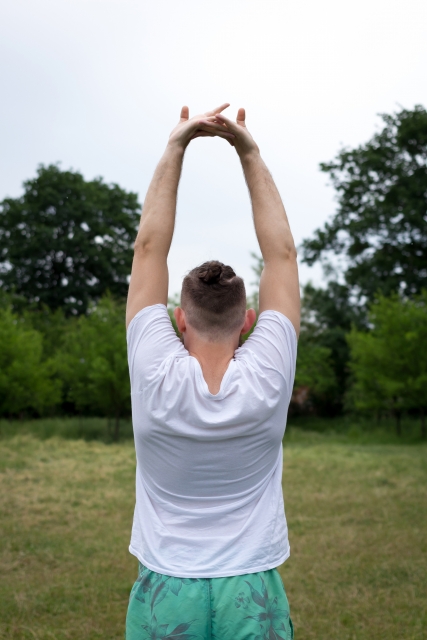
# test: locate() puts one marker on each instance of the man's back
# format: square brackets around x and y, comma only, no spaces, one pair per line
[207,463]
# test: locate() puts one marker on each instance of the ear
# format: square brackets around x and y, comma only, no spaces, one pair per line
[249,320]
[180,319]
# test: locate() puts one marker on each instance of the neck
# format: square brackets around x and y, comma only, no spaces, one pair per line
[211,352]
[213,357]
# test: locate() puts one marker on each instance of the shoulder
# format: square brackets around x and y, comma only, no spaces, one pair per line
[147,315]
[273,343]
[151,339]
[150,321]
[275,320]
[272,327]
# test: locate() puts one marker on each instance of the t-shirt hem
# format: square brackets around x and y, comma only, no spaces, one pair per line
[211,574]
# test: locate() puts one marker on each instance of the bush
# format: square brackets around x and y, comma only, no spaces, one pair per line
[26,381]
[389,363]
[93,362]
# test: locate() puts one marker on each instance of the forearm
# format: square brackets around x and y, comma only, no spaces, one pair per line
[158,213]
[270,219]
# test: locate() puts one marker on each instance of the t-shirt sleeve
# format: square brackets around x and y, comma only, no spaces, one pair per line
[151,339]
[274,344]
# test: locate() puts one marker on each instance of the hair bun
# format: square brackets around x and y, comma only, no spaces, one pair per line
[215,272]
[211,274]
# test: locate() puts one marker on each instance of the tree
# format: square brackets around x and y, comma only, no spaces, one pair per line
[381,223]
[67,241]
[389,363]
[93,362]
[326,318]
[315,372]
[27,382]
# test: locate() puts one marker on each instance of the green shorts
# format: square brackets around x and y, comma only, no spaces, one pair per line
[253,606]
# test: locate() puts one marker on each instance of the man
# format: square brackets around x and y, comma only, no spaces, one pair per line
[209,417]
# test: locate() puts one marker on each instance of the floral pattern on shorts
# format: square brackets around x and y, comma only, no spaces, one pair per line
[249,607]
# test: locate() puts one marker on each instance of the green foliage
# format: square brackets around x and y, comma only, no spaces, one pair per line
[67,241]
[257,267]
[380,226]
[326,317]
[389,363]
[93,362]
[174,302]
[315,370]
[26,381]
[47,359]
[53,325]
[380,234]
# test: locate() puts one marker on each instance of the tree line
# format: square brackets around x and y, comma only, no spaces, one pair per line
[371,317]
[65,259]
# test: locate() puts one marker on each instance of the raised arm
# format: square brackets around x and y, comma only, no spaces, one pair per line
[279,284]
[149,277]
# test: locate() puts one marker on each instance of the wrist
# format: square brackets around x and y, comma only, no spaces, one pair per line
[176,148]
[248,156]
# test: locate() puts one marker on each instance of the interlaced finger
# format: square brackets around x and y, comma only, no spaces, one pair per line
[204,134]
[231,126]
[215,131]
[217,109]
[210,125]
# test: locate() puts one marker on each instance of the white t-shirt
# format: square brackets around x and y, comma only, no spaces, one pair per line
[209,467]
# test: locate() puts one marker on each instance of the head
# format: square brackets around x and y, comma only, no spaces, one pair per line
[213,304]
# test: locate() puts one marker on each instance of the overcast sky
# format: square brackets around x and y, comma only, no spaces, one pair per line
[98,85]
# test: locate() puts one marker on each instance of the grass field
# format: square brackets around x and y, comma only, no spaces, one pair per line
[357,518]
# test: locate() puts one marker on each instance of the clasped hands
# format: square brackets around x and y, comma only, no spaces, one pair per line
[213,124]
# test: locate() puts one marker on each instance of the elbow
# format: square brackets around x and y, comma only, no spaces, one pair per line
[289,253]
[281,254]
[142,245]
[149,247]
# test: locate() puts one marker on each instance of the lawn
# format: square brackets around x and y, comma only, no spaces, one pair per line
[357,518]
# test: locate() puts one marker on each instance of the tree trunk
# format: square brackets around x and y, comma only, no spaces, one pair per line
[398,415]
[423,423]
[116,427]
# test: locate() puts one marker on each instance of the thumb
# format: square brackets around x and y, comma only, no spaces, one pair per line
[185,114]
[241,115]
